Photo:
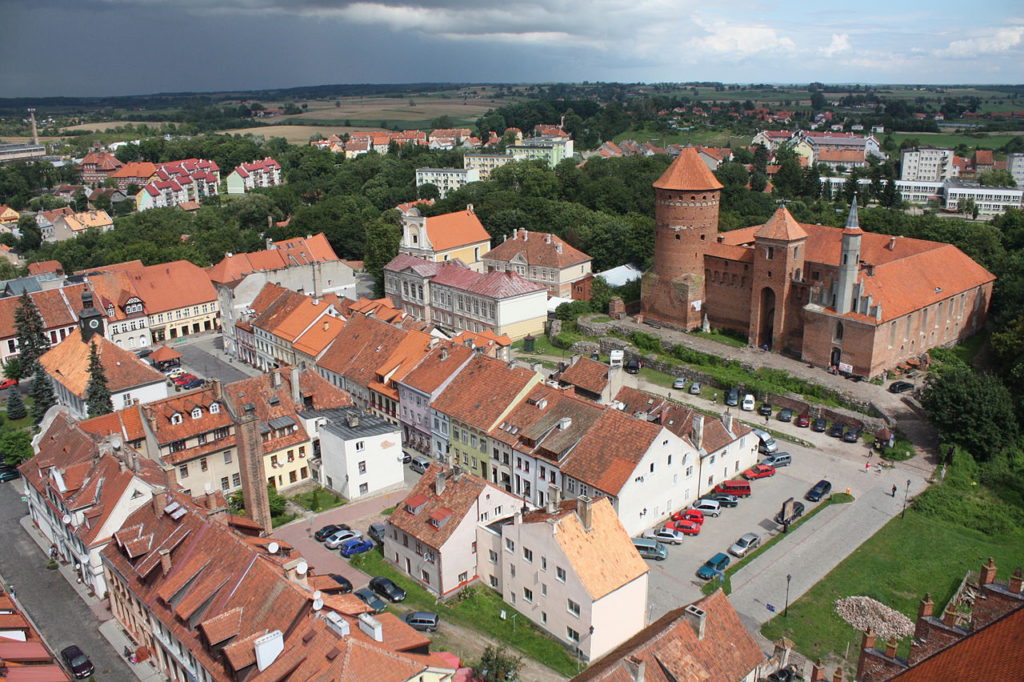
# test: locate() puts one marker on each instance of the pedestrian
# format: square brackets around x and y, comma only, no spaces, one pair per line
[766,420]
[894,491]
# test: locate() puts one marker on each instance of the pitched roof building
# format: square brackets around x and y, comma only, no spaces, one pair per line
[25,655]
[451,236]
[255,174]
[97,166]
[66,226]
[542,258]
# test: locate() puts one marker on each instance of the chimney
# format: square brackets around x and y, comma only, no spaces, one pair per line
[1015,581]
[296,393]
[727,421]
[988,573]
[444,353]
[949,615]
[352,419]
[585,512]
[469,208]
[371,627]
[296,571]
[525,234]
[868,640]
[637,668]
[891,646]
[554,498]
[159,502]
[547,238]
[698,431]
[439,482]
[817,672]
[558,247]
[892,243]
[867,643]
[275,377]
[165,561]
[927,606]
[564,423]
[697,618]
[837,676]
[253,471]
[318,285]
[218,389]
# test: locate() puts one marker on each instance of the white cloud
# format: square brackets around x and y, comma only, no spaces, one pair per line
[993,41]
[840,43]
[736,42]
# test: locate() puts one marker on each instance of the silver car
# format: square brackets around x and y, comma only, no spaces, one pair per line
[695,388]
[679,384]
[745,544]
[339,538]
[669,536]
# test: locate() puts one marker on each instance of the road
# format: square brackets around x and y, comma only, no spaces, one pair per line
[54,606]
[202,355]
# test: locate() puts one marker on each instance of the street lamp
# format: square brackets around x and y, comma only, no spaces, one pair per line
[906,493]
[785,611]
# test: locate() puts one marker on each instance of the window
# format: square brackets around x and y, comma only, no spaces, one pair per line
[544,589]
[236,480]
[363,487]
[224,483]
[572,635]
[573,607]
[493,556]
[528,554]
[196,413]
[543,617]
[359,446]
[689,471]
[202,464]
[510,545]
[494,581]
[527,595]
[560,574]
[227,457]
[273,461]
[176,418]
[183,471]
[362,467]
[463,577]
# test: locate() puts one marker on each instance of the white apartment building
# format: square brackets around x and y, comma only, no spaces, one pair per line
[360,453]
[446,179]
[485,163]
[989,200]
[927,164]
[1015,164]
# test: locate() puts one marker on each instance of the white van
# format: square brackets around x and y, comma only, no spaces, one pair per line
[419,464]
[767,445]
[748,403]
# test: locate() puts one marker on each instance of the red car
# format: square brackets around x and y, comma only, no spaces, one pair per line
[803,421]
[759,471]
[8,383]
[183,379]
[695,515]
[684,526]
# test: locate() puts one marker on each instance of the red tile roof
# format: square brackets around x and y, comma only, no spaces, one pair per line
[58,308]
[68,363]
[688,172]
[437,366]
[537,248]
[482,391]
[452,230]
[590,375]
[608,468]
[781,226]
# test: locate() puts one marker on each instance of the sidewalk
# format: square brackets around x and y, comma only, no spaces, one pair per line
[109,627]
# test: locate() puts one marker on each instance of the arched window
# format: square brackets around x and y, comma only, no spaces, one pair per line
[197,412]
[176,418]
[214,408]
[839,331]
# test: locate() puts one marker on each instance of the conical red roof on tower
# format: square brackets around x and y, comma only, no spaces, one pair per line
[688,172]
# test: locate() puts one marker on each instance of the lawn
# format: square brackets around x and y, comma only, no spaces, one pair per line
[480,609]
[721,337]
[950,140]
[903,561]
[541,346]
[318,499]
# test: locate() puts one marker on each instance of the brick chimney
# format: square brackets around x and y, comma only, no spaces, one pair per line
[159,502]
[585,512]
[949,617]
[867,645]
[837,676]
[926,607]
[1016,581]
[252,470]
[988,573]
[165,561]
[817,671]
[891,646]
[296,393]
[922,627]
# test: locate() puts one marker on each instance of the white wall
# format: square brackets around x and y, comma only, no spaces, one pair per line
[339,463]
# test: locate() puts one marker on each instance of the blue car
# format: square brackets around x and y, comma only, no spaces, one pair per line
[193,383]
[356,546]
[713,566]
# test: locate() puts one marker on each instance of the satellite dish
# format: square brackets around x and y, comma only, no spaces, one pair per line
[65,519]
[318,604]
[273,547]
[301,568]
[317,595]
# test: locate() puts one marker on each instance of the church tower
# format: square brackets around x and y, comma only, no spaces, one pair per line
[686,200]
[849,263]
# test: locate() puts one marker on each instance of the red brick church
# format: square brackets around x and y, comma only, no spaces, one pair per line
[859,301]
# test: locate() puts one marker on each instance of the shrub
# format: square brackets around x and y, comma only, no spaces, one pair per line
[647,342]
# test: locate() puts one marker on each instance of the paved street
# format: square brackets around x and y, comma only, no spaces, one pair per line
[202,355]
[57,610]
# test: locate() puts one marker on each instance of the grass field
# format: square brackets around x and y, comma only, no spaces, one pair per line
[983,140]
[702,137]
[903,561]
[298,134]
[111,125]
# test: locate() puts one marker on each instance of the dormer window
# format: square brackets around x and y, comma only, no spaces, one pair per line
[214,408]
[176,418]
[414,505]
[197,412]
[110,311]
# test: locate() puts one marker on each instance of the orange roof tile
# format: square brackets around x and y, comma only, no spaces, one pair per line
[135,169]
[68,363]
[782,226]
[590,375]
[537,248]
[604,468]
[452,230]
[688,172]
[482,391]
[459,496]
[436,366]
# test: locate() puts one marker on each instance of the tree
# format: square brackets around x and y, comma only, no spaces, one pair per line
[969,208]
[15,405]
[278,502]
[789,179]
[817,101]
[43,397]
[29,333]
[382,240]
[15,444]
[971,409]
[13,368]
[997,177]
[97,393]
[497,665]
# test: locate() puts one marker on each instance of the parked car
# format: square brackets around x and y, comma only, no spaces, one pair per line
[851,435]
[633,367]
[387,589]
[423,620]
[8,474]
[782,675]
[765,410]
[785,415]
[377,531]
[732,398]
[694,515]
[346,585]
[798,511]
[669,536]
[143,353]
[340,537]
[8,383]
[803,421]
[836,430]
[707,507]
[748,403]
[737,487]
[679,384]
[684,526]
[183,379]
[371,600]
[765,442]
[329,530]
[759,471]
[820,490]
[355,546]
[779,459]
[900,387]
[695,388]
[724,499]
[713,566]
[196,382]
[420,464]
[819,425]
[745,544]
[77,662]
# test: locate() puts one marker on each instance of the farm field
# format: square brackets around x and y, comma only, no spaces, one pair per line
[297,134]
[707,138]
[111,125]
[985,141]
[395,109]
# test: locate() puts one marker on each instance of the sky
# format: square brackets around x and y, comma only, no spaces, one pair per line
[117,47]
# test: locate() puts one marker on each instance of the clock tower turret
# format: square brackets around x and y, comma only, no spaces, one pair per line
[90,320]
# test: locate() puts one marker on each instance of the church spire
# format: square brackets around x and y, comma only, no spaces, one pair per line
[853,219]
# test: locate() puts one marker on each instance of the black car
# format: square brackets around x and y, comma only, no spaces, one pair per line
[851,434]
[346,585]
[144,353]
[8,474]
[732,398]
[377,531]
[724,499]
[819,425]
[782,675]
[765,410]
[329,530]
[387,589]
[836,430]
[820,490]
[785,415]
[77,662]
[633,367]
[900,387]
[798,511]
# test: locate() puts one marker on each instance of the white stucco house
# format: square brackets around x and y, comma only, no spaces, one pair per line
[360,453]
